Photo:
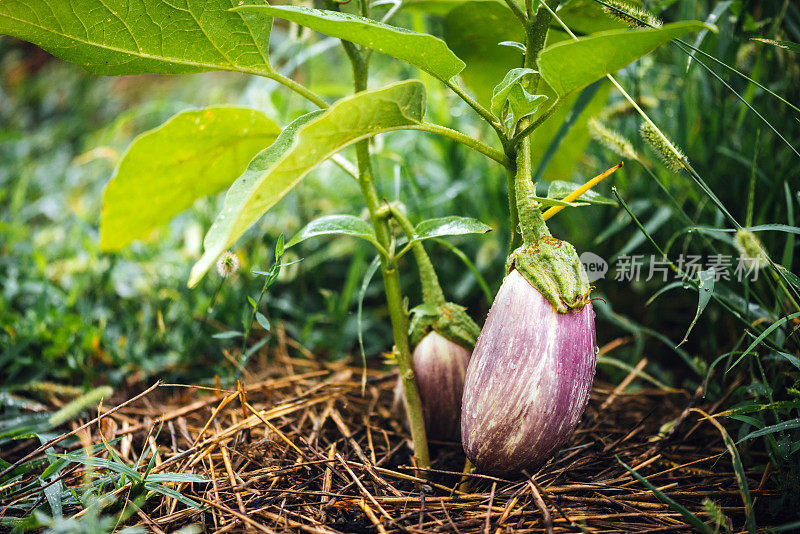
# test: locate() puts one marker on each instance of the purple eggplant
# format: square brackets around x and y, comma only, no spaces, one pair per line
[528,380]
[440,366]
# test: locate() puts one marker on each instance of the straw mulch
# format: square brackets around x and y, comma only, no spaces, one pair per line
[300,448]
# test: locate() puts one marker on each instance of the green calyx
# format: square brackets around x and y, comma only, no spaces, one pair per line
[449,320]
[550,265]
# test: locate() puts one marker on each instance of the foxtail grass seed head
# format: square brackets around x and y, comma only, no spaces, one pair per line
[612,140]
[674,159]
[227,264]
[750,248]
[631,15]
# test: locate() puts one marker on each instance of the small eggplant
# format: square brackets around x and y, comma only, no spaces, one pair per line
[440,366]
[528,381]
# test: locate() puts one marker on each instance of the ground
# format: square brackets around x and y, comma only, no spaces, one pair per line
[301,447]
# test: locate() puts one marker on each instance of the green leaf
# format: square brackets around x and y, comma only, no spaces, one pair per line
[475,31]
[669,501]
[559,189]
[103,463]
[520,102]
[449,226]
[705,288]
[303,145]
[774,326]
[336,224]
[228,335]
[114,37]
[176,477]
[263,321]
[169,492]
[164,171]
[502,90]
[425,51]
[572,65]
[771,429]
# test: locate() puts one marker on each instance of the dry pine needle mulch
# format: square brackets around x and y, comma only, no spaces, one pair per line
[300,448]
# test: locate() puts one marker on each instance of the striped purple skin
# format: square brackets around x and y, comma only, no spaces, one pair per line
[440,366]
[528,381]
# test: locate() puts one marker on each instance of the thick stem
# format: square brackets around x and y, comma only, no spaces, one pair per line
[531,223]
[397,313]
[432,293]
[391,278]
[513,215]
[537,36]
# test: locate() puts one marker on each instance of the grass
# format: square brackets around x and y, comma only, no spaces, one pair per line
[74,319]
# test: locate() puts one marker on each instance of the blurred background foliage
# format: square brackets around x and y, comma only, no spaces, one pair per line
[72,316]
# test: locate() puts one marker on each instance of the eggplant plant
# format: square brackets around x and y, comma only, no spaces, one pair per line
[519,81]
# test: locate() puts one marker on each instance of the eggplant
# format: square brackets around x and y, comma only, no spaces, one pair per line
[528,380]
[440,366]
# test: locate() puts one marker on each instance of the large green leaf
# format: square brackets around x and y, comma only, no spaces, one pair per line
[572,65]
[194,154]
[474,31]
[425,51]
[113,37]
[304,144]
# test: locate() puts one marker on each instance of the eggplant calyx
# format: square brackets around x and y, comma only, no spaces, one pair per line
[552,267]
[449,320]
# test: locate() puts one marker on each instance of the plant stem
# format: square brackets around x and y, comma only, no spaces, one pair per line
[432,293]
[517,10]
[528,226]
[397,312]
[513,215]
[298,88]
[538,122]
[479,109]
[391,277]
[531,223]
[497,155]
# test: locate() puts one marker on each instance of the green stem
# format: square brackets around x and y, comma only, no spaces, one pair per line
[432,293]
[464,139]
[513,214]
[531,223]
[397,312]
[479,109]
[391,277]
[538,122]
[517,10]
[300,89]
